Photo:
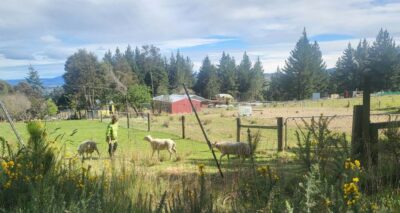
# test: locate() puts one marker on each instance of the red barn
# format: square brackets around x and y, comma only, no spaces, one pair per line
[177,103]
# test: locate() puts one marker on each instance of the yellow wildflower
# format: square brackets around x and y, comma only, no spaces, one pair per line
[328,202]
[11,163]
[357,163]
[355,179]
[4,165]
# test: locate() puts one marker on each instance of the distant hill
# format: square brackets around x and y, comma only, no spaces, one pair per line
[47,82]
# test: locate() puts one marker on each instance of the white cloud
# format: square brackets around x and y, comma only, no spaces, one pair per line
[46,31]
[49,39]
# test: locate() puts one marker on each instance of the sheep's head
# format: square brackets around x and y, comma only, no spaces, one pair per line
[147,138]
[215,144]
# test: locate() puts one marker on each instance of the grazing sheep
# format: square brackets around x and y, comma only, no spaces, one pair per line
[234,148]
[161,144]
[87,147]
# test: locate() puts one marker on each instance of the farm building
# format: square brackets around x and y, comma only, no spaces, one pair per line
[177,103]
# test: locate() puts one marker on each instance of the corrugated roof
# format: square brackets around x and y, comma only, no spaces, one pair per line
[175,97]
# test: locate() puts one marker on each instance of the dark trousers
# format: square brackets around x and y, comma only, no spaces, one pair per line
[111,148]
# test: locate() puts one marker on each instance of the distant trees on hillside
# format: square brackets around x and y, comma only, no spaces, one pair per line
[27,100]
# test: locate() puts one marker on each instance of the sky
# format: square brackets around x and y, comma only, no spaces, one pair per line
[45,32]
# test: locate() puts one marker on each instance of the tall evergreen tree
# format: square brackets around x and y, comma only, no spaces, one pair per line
[346,71]
[244,79]
[227,74]
[154,69]
[180,71]
[34,81]
[304,70]
[207,84]
[361,56]
[257,81]
[382,59]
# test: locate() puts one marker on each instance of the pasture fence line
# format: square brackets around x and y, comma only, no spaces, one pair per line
[340,123]
[278,127]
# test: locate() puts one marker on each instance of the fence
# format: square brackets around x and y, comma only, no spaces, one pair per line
[278,127]
[339,123]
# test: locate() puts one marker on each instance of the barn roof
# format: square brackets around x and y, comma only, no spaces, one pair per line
[175,97]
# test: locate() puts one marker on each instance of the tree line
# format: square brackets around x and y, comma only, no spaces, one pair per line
[305,72]
[144,72]
[136,75]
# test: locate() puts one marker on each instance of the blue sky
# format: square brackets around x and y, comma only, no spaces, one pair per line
[45,32]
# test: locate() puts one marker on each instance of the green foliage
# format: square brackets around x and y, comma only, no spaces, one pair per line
[34,81]
[382,58]
[227,75]
[5,88]
[207,80]
[82,75]
[52,108]
[180,71]
[305,71]
[139,95]
[345,76]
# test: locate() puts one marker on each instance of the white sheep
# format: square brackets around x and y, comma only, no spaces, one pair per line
[161,144]
[87,147]
[234,148]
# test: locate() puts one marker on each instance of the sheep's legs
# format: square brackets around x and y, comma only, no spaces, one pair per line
[220,158]
[153,153]
[158,154]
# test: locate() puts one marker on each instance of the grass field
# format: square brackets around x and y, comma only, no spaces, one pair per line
[220,124]
[153,177]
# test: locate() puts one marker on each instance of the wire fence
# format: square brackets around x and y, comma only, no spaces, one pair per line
[339,124]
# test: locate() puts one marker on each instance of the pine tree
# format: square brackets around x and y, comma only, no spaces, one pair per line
[244,77]
[345,75]
[207,84]
[34,81]
[130,58]
[257,81]
[154,69]
[382,59]
[304,71]
[227,74]
[361,57]
[180,71]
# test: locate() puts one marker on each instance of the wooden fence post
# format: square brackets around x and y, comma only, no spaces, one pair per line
[356,134]
[374,137]
[238,129]
[279,122]
[127,119]
[148,122]
[183,126]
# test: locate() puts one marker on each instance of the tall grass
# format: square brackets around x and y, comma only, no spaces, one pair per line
[322,178]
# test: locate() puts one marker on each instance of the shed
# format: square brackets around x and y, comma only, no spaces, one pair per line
[177,103]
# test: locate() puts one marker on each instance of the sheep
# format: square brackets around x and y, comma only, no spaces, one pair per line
[235,148]
[161,144]
[87,147]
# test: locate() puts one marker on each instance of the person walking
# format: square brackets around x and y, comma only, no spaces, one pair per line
[112,135]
